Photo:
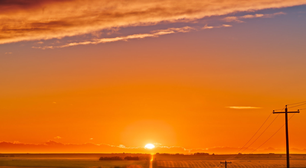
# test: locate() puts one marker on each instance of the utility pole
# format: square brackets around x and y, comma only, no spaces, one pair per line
[287,137]
[225,163]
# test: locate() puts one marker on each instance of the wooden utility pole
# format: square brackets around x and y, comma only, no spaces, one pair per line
[287,136]
[225,163]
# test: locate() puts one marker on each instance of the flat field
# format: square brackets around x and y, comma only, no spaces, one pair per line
[237,161]
[71,161]
[159,161]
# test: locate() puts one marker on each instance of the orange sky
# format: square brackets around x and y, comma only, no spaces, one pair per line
[119,75]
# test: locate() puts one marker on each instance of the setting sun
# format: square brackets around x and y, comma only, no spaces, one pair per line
[152,83]
[149,146]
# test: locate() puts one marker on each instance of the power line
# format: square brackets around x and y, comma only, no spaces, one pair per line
[255,133]
[261,134]
[253,136]
[272,135]
[280,109]
[267,139]
[296,103]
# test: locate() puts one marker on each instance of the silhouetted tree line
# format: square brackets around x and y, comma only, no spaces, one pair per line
[119,158]
[131,158]
[111,158]
[199,153]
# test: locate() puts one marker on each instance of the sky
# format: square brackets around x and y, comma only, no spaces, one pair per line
[189,76]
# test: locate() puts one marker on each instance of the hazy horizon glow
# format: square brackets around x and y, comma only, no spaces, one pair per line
[113,76]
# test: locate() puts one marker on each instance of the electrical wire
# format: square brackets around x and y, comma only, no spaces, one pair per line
[265,141]
[296,103]
[279,109]
[268,138]
[272,135]
[255,133]
[261,133]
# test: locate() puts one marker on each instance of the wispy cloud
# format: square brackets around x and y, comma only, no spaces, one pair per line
[48,19]
[125,147]
[155,33]
[226,25]
[243,107]
[57,137]
[239,18]
[208,27]
[8,53]
[214,27]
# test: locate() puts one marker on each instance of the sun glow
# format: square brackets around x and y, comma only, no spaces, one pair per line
[149,146]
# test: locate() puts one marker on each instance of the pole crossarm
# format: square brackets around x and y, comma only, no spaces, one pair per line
[275,112]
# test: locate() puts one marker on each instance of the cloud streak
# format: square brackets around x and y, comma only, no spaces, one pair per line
[214,27]
[243,107]
[47,19]
[238,18]
[155,33]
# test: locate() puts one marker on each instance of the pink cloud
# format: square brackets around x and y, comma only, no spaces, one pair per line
[47,19]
